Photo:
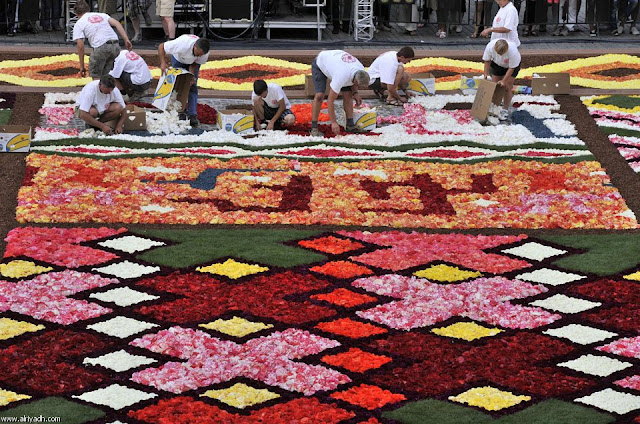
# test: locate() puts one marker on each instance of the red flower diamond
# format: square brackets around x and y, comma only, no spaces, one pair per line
[342,269]
[344,297]
[331,244]
[356,360]
[369,397]
[350,328]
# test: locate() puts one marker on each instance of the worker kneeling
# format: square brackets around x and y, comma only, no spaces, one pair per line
[99,102]
[271,107]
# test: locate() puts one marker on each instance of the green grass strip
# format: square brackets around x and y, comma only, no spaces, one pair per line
[625,102]
[203,247]
[620,131]
[605,254]
[50,407]
[5,115]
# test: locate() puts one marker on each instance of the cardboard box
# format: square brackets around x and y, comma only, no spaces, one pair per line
[135,119]
[422,84]
[238,121]
[488,92]
[366,119]
[554,83]
[469,84]
[310,90]
[176,79]
[15,138]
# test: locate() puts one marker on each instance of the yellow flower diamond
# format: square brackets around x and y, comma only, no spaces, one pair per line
[11,328]
[19,269]
[635,276]
[466,330]
[232,269]
[489,398]
[6,397]
[446,273]
[240,395]
[236,326]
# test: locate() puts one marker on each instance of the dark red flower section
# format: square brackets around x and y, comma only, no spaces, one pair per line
[42,363]
[304,129]
[207,298]
[185,410]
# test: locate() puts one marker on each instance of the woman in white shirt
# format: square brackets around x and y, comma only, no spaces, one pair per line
[502,60]
[505,23]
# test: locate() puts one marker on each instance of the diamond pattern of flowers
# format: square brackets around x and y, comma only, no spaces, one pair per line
[240,395]
[356,360]
[232,269]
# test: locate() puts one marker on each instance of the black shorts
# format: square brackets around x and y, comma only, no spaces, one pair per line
[129,87]
[499,71]
[320,79]
[270,112]
[376,85]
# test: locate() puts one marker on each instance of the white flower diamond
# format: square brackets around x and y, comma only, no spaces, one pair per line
[121,327]
[130,244]
[601,366]
[123,296]
[612,401]
[534,251]
[549,276]
[159,169]
[127,269]
[580,334]
[565,304]
[116,396]
[157,208]
[119,361]
[484,203]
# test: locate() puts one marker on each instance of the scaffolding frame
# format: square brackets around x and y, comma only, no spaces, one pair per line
[363,26]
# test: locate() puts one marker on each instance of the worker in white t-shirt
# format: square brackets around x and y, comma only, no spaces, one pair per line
[505,23]
[502,60]
[187,52]
[100,101]
[387,71]
[97,28]
[347,75]
[132,74]
[271,106]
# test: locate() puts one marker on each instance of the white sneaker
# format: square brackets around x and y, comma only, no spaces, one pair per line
[503,115]
[634,30]
[443,34]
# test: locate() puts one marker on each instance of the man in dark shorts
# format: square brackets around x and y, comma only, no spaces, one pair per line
[132,75]
[271,107]
[502,60]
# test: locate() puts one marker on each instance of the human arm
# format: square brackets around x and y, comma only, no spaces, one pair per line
[332,111]
[163,58]
[501,30]
[80,49]
[393,88]
[118,67]
[506,76]
[356,95]
[192,68]
[278,114]
[487,68]
[115,24]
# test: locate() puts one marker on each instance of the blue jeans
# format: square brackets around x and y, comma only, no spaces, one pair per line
[192,102]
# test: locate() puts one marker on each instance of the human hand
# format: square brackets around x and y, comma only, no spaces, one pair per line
[163,67]
[270,125]
[358,99]
[485,33]
[128,45]
[335,128]
[83,72]
[500,83]
[120,129]
[106,129]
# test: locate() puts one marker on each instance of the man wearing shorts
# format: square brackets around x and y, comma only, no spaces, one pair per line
[271,106]
[502,60]
[100,101]
[346,74]
[97,28]
[132,75]
[164,9]
[387,72]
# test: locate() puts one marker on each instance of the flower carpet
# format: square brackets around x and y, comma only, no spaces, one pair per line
[619,117]
[281,325]
[239,73]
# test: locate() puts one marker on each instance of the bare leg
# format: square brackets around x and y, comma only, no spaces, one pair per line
[114,112]
[347,103]
[317,104]
[258,112]
[289,120]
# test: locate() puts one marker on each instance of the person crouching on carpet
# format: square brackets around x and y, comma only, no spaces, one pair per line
[99,102]
[132,75]
[271,107]
[502,59]
[387,71]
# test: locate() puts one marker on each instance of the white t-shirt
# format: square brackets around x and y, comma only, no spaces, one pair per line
[275,93]
[133,64]
[511,59]
[339,66]
[182,49]
[92,96]
[507,17]
[384,67]
[95,28]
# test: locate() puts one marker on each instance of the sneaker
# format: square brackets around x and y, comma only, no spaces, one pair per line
[355,129]
[438,33]
[635,31]
[458,29]
[193,121]
[503,115]
[558,31]
[564,32]
[443,34]
[593,33]
[316,133]
[136,38]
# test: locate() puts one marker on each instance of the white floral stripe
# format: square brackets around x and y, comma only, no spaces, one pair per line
[452,153]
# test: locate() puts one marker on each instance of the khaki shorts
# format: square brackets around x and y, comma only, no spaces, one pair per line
[101,60]
[165,7]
